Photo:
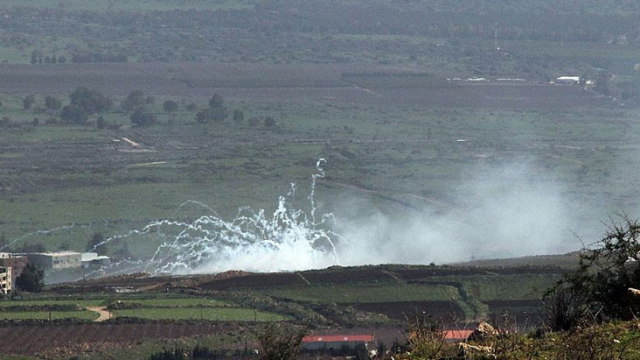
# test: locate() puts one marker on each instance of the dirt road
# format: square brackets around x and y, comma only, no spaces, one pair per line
[103,313]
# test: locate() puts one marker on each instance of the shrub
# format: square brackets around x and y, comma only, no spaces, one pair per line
[279,343]
[606,273]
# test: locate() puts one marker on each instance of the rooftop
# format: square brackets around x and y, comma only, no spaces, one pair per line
[457,334]
[57,253]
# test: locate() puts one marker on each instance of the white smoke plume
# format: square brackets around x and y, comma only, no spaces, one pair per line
[503,213]
[500,213]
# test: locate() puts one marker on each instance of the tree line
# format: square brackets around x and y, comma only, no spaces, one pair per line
[85,103]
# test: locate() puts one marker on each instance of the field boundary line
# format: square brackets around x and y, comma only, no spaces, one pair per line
[397,278]
[303,278]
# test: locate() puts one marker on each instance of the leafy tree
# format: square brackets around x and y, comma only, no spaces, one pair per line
[31,279]
[279,343]
[28,101]
[74,113]
[51,103]
[92,101]
[143,117]
[166,354]
[95,244]
[601,283]
[217,101]
[134,100]
[101,123]
[254,121]
[217,114]
[238,115]
[603,83]
[170,106]
[269,121]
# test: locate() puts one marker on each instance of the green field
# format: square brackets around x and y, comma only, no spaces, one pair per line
[45,315]
[366,294]
[509,287]
[178,302]
[130,5]
[151,308]
[213,314]
[41,303]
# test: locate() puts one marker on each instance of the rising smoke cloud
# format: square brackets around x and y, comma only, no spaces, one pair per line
[499,212]
[503,212]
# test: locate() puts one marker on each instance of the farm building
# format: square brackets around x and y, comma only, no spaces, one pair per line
[568,80]
[15,262]
[92,259]
[56,260]
[335,342]
[5,280]
[457,335]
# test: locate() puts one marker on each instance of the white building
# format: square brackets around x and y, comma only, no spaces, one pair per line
[568,80]
[92,259]
[56,260]
[5,280]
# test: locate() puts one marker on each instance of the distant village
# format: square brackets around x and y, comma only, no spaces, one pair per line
[562,80]
[12,264]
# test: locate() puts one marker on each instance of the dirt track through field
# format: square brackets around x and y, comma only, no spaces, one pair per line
[103,313]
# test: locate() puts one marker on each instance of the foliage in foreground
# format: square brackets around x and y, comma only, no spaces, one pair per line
[599,288]
[611,341]
[198,352]
[280,343]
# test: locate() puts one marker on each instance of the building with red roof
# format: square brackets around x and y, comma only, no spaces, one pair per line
[456,335]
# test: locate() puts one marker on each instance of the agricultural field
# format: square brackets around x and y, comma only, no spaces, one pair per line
[366,294]
[212,314]
[153,307]
[536,40]
[470,293]
[19,339]
[377,300]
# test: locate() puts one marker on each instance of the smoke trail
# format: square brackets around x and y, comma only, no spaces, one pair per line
[289,239]
[38,232]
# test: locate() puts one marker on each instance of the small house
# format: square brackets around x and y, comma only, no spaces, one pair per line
[56,260]
[91,259]
[568,80]
[457,335]
[15,262]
